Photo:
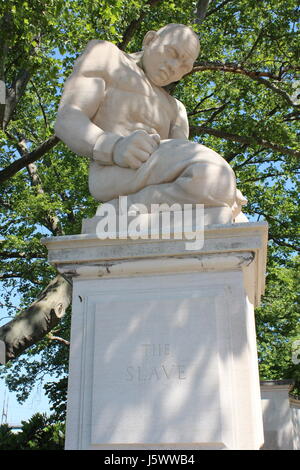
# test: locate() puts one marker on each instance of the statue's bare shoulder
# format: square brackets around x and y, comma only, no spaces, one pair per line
[99,58]
[93,71]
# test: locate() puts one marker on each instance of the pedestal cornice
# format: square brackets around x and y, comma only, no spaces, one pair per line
[226,247]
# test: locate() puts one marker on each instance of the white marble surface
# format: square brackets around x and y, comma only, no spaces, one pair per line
[163,346]
[163,364]
[278,416]
[70,253]
[115,111]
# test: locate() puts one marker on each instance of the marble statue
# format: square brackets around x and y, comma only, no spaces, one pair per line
[115,111]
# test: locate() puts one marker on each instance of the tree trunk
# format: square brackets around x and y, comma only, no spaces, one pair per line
[202,7]
[32,324]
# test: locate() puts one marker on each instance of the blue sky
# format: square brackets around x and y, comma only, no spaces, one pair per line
[36,402]
[16,412]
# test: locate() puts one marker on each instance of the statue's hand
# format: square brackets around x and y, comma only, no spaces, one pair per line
[135,149]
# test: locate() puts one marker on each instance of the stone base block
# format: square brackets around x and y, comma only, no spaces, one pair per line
[163,345]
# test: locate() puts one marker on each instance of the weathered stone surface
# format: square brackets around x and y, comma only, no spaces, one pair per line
[115,111]
[163,345]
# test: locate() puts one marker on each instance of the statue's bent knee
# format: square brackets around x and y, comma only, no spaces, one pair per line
[212,180]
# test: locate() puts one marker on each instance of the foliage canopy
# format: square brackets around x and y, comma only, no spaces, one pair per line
[242,101]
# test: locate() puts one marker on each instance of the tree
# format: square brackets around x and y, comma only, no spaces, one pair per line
[242,100]
[38,433]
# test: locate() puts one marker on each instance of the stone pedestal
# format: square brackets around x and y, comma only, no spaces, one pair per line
[277,415]
[163,344]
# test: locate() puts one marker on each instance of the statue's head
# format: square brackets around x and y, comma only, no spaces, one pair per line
[169,53]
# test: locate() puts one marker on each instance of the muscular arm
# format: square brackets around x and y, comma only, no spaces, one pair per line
[180,126]
[83,93]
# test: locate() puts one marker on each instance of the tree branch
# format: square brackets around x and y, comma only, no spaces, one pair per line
[5,204]
[259,76]
[2,101]
[14,95]
[28,158]
[249,140]
[58,338]
[9,276]
[201,11]
[279,91]
[215,113]
[34,323]
[248,160]
[232,155]
[20,276]
[232,68]
[284,227]
[249,54]
[198,111]
[268,175]
[133,26]
[283,243]
[40,103]
[294,116]
[10,306]
[18,87]
[19,255]
[51,221]
[218,7]
[5,26]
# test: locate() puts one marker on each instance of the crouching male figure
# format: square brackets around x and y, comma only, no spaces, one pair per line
[115,111]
